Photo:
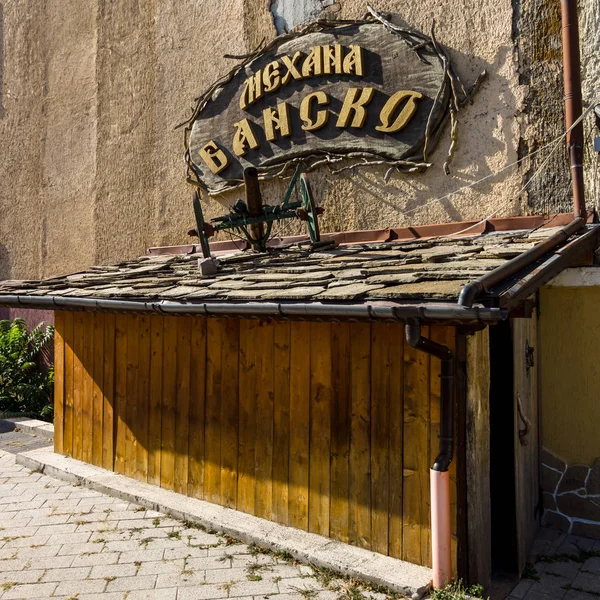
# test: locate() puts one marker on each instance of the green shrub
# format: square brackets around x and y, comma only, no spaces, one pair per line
[25,385]
[456,591]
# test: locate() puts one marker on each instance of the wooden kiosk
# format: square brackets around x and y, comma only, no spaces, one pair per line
[323,381]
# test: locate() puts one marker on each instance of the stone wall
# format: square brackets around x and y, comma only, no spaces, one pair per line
[571,496]
[91,91]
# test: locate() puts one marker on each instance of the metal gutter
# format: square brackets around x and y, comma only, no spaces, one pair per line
[430,312]
[547,270]
[484,284]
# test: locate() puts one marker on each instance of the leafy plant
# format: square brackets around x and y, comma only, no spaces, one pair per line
[25,385]
[457,591]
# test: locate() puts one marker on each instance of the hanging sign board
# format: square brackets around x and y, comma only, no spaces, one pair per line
[358,93]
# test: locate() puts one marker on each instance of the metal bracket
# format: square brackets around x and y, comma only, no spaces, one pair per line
[529,356]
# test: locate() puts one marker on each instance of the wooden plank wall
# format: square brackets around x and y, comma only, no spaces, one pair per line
[327,427]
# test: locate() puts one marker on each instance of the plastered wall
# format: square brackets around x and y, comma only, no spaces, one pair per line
[570,372]
[91,167]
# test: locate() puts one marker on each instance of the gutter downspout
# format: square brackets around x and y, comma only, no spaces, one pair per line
[440,478]
[573,110]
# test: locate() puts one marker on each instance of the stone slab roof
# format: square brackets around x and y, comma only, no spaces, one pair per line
[421,270]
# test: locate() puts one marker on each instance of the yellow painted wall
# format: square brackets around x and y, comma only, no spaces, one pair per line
[570,372]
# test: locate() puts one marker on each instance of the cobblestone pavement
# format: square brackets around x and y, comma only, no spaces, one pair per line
[62,541]
[565,567]
[15,441]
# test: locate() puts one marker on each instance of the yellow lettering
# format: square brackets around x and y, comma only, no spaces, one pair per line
[243,138]
[332,59]
[355,102]
[277,120]
[306,109]
[405,115]
[313,65]
[253,90]
[353,63]
[293,71]
[272,77]
[214,157]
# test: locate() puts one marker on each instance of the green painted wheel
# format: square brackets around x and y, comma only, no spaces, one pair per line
[311,209]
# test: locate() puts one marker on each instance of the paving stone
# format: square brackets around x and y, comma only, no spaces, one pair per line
[143,556]
[68,574]
[86,586]
[253,588]
[162,594]
[203,592]
[104,571]
[21,576]
[579,595]
[162,566]
[567,569]
[140,582]
[30,590]
[587,582]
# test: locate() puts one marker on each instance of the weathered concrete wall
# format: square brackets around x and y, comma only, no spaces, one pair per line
[91,167]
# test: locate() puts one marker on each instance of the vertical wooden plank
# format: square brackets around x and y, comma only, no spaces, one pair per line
[98,384]
[396,441]
[69,416]
[120,417]
[416,454]
[320,427]
[197,408]
[214,373]
[300,417]
[264,422]
[247,416]
[182,407]
[59,380]
[380,406]
[229,412]
[340,430]
[478,458]
[360,434]
[143,400]
[78,391]
[526,444]
[156,389]
[169,379]
[281,420]
[108,392]
[87,393]
[131,420]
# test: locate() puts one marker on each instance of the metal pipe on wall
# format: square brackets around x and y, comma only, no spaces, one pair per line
[573,101]
[441,535]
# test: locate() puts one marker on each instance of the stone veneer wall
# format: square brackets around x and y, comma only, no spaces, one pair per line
[571,496]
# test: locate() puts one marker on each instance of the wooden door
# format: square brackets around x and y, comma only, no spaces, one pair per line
[526,435]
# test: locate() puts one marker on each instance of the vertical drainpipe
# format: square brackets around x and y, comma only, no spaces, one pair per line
[573,101]
[440,478]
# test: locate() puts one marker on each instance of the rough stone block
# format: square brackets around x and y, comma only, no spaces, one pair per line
[593,484]
[578,507]
[554,462]
[554,519]
[574,478]
[588,530]
[550,479]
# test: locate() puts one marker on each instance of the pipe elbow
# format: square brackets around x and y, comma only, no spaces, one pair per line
[442,462]
[413,333]
[469,293]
